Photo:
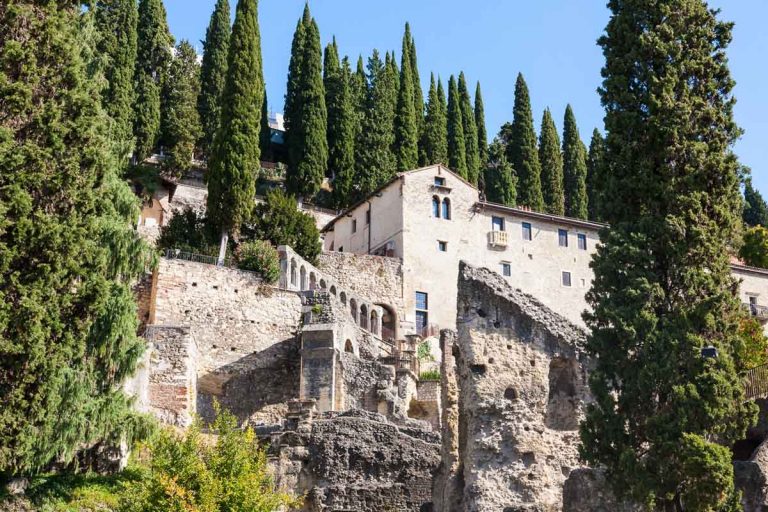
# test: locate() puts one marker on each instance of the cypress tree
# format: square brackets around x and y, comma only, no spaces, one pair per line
[755,209]
[522,152]
[471,151]
[500,179]
[457,158]
[341,125]
[442,99]
[182,128]
[574,168]
[435,139]
[406,125]
[482,131]
[418,93]
[152,60]
[291,106]
[116,22]
[551,166]
[265,132]
[595,175]
[69,253]
[375,162]
[213,73]
[307,144]
[664,415]
[234,162]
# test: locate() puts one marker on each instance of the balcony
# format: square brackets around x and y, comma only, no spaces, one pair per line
[759,312]
[498,238]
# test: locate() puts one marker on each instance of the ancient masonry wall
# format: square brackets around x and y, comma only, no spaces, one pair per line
[246,336]
[172,379]
[522,383]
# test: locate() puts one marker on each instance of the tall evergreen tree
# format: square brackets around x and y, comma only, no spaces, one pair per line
[406,124]
[522,152]
[471,151]
[341,153]
[291,106]
[457,157]
[182,128]
[551,161]
[152,60]
[234,161]
[664,415]
[595,175]
[375,163]
[482,130]
[574,168]
[307,144]
[435,136]
[213,73]
[418,93]
[69,253]
[500,179]
[265,132]
[441,96]
[755,209]
[116,22]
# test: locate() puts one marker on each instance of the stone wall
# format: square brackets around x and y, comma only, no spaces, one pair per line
[172,379]
[246,334]
[522,383]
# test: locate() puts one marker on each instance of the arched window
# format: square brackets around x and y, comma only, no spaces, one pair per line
[348,347]
[435,207]
[323,286]
[353,309]
[312,281]
[364,317]
[447,209]
[374,322]
[293,272]
[343,298]
[333,290]
[302,278]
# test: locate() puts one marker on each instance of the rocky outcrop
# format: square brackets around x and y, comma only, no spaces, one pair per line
[586,490]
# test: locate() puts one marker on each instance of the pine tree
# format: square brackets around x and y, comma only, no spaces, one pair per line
[116,22]
[375,163]
[341,125]
[500,179]
[152,60]
[457,157]
[482,131]
[307,144]
[234,162]
[551,161]
[522,152]
[574,168]
[755,209]
[213,73]
[664,415]
[182,127]
[471,151]
[406,124]
[69,253]
[435,137]
[595,175]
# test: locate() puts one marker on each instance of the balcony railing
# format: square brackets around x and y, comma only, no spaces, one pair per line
[759,312]
[497,238]
[756,382]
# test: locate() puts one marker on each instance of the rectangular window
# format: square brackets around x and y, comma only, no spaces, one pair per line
[562,237]
[442,246]
[439,182]
[354,225]
[341,249]
[582,241]
[422,317]
[506,269]
[367,217]
[497,223]
[422,301]
[527,231]
[566,279]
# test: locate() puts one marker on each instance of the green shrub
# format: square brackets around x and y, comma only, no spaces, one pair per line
[224,472]
[754,252]
[188,231]
[430,376]
[424,352]
[260,257]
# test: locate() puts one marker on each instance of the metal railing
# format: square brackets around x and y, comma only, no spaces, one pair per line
[177,254]
[402,359]
[759,312]
[756,382]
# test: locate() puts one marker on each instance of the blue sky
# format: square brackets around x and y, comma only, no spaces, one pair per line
[552,42]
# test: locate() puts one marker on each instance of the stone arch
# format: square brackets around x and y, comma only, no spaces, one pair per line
[333,290]
[353,309]
[562,402]
[293,272]
[374,322]
[348,347]
[343,298]
[323,284]
[302,278]
[447,209]
[436,207]
[312,281]
[364,317]
[388,322]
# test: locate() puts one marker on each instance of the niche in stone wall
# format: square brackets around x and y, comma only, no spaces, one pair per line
[562,403]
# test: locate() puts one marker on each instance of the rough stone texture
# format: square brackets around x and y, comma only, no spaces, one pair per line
[522,382]
[143,290]
[172,379]
[586,490]
[448,484]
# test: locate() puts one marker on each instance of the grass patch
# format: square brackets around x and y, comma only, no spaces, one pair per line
[430,376]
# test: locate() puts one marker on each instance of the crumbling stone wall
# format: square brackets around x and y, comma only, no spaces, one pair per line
[172,379]
[522,382]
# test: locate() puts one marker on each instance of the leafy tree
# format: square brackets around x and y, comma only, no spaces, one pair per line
[342,125]
[755,209]
[306,142]
[279,221]
[754,251]
[500,179]
[435,135]
[406,123]
[574,168]
[522,152]
[663,289]
[68,252]
[188,231]
[457,157]
[375,162]
[234,161]
[259,256]
[116,22]
[471,151]
[213,73]
[182,127]
[482,133]
[188,472]
[551,166]
[152,60]
[595,174]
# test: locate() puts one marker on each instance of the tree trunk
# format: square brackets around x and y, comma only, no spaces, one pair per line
[223,248]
